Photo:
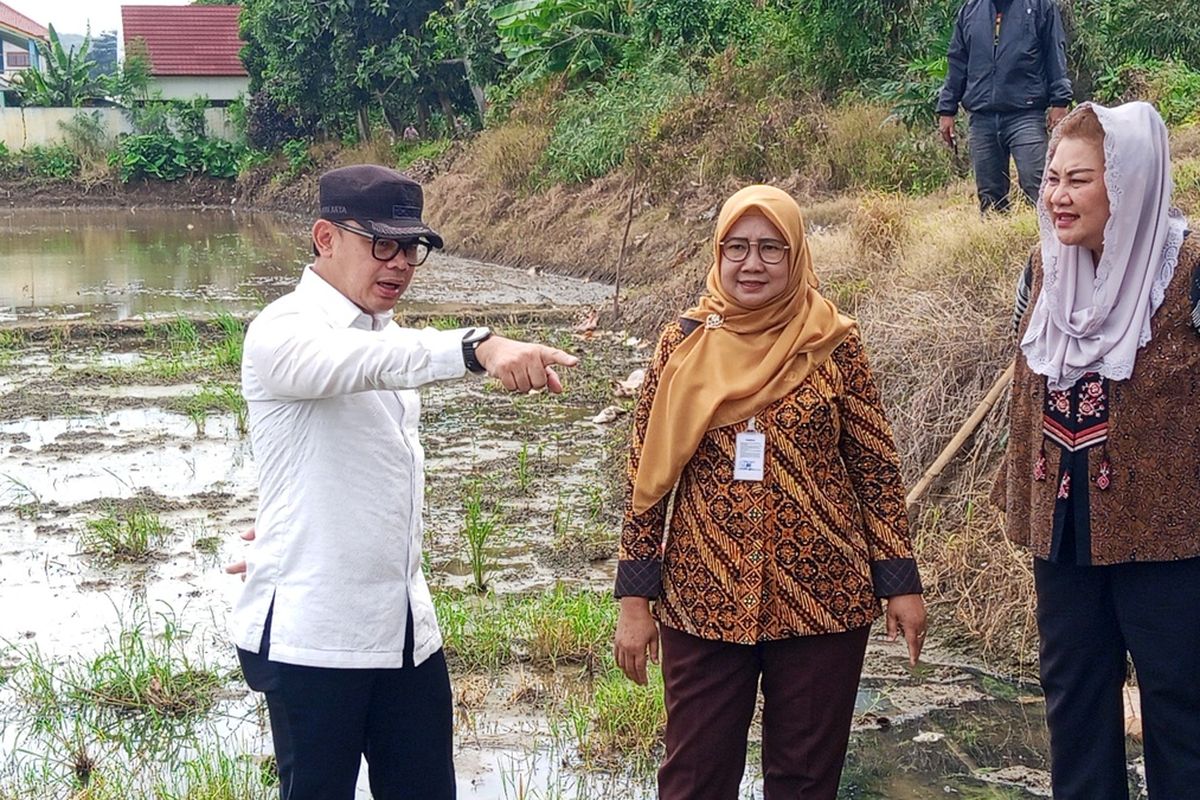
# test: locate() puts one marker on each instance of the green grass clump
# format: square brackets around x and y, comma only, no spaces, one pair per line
[131,535]
[621,723]
[487,632]
[139,673]
[224,398]
[597,123]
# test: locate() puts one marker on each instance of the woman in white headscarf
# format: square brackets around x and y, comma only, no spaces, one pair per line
[1102,473]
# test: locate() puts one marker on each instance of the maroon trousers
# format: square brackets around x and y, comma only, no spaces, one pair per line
[809,684]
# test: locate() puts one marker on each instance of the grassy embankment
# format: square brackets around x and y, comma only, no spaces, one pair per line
[896,240]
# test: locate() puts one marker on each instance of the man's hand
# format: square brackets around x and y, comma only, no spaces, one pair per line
[1055,116]
[239,567]
[906,613]
[523,366]
[946,128]
[637,635]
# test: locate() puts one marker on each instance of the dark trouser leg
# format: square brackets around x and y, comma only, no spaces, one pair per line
[1083,671]
[318,720]
[809,685]
[989,158]
[410,733]
[1157,605]
[710,688]
[1026,138]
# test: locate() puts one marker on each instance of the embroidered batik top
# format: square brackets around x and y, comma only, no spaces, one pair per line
[807,550]
[1106,471]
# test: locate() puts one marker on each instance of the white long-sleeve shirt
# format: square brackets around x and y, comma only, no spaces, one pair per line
[333,422]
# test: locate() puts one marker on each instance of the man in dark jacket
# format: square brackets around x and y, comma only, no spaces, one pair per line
[1007,65]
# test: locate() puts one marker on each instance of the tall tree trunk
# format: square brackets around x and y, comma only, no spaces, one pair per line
[448,112]
[423,117]
[476,89]
[364,124]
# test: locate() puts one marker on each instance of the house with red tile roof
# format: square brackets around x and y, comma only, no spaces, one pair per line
[19,37]
[192,50]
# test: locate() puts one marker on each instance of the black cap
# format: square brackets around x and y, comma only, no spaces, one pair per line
[386,202]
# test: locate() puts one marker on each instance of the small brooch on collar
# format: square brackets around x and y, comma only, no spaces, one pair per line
[714,321]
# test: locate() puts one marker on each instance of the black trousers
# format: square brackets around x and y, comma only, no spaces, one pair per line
[323,721]
[808,683]
[1088,619]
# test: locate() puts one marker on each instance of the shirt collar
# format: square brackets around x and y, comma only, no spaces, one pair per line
[336,306]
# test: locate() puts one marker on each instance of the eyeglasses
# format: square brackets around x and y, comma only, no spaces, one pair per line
[771,251]
[385,249]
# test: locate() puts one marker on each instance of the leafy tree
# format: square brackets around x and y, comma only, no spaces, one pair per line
[65,78]
[576,37]
[334,62]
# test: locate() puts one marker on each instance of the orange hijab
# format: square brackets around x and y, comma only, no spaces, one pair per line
[741,359]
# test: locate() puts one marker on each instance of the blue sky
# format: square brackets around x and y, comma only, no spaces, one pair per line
[72,16]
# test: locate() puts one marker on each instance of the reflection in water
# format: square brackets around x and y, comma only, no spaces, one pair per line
[115,264]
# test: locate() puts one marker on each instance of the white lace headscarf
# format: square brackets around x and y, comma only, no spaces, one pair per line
[1075,328]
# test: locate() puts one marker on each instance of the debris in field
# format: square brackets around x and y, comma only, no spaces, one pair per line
[608,415]
[588,323]
[928,737]
[631,385]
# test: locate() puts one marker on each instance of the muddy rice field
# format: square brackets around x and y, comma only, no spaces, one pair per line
[127,479]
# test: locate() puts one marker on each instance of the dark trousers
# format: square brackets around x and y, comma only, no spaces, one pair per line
[995,137]
[1088,618]
[323,721]
[809,684]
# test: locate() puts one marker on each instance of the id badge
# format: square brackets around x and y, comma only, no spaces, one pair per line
[749,453]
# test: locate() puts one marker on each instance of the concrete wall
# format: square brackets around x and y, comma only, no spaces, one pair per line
[25,127]
[182,88]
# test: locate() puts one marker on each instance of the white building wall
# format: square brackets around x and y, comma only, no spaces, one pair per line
[185,88]
[25,127]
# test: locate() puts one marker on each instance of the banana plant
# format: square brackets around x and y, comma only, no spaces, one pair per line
[64,77]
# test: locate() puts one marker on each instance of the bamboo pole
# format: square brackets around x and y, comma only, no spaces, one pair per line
[951,450]
[624,243]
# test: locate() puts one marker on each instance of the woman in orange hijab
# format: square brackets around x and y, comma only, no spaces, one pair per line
[759,415]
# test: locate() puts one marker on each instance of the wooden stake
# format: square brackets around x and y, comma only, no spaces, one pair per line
[621,256]
[951,450]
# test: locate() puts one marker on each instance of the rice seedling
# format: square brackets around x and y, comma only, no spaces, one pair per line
[18,496]
[224,397]
[480,528]
[218,776]
[477,631]
[182,335]
[560,523]
[226,353]
[446,323]
[131,535]
[524,473]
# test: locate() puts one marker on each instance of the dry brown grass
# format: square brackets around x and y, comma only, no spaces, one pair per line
[1186,173]
[508,155]
[882,227]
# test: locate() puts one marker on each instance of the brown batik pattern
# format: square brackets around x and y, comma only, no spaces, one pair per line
[798,553]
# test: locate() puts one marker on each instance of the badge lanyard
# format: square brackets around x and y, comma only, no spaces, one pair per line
[749,454]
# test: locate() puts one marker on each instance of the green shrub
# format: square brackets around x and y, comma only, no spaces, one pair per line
[167,158]
[298,158]
[597,124]
[410,152]
[49,161]
[1172,86]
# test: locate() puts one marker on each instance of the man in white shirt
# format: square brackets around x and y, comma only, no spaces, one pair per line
[336,624]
